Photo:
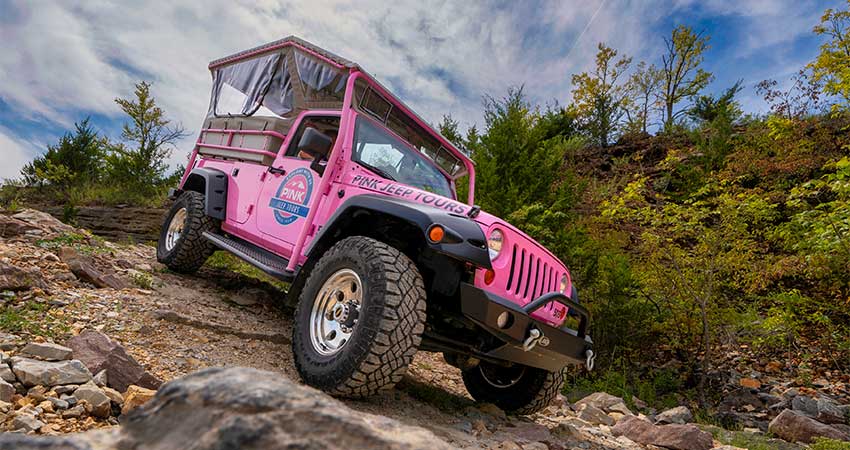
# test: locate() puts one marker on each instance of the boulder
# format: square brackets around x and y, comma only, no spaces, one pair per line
[44,222]
[594,415]
[32,372]
[136,396]
[805,405]
[96,398]
[678,415]
[829,412]
[14,278]
[242,408]
[676,437]
[47,351]
[793,426]
[601,400]
[98,352]
[6,391]
[26,423]
[84,269]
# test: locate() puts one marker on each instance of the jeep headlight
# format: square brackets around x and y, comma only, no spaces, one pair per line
[563,283]
[494,243]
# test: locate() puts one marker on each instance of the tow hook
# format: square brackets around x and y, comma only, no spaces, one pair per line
[591,360]
[535,336]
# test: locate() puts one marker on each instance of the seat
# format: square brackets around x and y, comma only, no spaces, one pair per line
[265,142]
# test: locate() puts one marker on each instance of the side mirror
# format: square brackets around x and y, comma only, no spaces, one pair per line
[315,143]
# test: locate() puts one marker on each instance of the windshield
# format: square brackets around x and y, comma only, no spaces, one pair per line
[381,152]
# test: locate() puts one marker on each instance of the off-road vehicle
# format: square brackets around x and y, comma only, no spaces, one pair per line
[312,171]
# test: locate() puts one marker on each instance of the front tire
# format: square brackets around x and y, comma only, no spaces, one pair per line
[182,246]
[359,319]
[516,389]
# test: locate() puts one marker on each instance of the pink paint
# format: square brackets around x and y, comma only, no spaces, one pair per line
[282,212]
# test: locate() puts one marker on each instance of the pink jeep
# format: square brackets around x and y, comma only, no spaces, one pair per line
[309,169]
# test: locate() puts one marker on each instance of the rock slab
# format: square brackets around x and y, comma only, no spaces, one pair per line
[676,437]
[47,351]
[33,372]
[98,352]
[794,426]
[241,408]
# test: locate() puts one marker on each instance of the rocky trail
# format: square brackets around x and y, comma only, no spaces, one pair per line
[92,329]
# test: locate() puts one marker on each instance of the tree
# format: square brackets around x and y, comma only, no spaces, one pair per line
[644,86]
[148,140]
[796,102]
[598,99]
[76,159]
[707,108]
[682,75]
[832,65]
[449,129]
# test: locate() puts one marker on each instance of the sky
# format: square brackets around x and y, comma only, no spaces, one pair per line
[63,61]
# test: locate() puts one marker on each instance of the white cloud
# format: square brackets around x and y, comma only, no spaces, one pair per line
[64,60]
[14,155]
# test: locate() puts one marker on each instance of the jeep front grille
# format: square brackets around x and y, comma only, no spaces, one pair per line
[530,275]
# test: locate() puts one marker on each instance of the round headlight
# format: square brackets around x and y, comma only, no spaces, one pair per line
[563,283]
[494,243]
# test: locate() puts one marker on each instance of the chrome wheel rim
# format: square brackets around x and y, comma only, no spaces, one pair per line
[335,312]
[505,378]
[175,228]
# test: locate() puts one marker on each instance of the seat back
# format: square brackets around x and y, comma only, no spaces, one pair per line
[263,133]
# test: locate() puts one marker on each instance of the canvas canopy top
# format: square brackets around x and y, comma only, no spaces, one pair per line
[286,77]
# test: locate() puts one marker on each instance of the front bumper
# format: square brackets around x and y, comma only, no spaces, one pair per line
[546,348]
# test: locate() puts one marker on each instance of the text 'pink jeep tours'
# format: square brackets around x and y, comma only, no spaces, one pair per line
[309,169]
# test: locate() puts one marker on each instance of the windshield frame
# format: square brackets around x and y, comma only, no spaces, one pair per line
[358,116]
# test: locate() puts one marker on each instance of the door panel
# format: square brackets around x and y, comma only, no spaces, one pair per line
[285,200]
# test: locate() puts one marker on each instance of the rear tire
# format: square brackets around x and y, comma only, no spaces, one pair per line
[182,246]
[359,319]
[517,389]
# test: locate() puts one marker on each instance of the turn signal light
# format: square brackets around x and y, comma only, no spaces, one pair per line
[489,276]
[436,234]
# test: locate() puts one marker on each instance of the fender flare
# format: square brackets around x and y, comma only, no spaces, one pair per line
[213,184]
[464,239]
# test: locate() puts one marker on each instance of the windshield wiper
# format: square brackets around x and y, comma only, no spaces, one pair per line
[376,170]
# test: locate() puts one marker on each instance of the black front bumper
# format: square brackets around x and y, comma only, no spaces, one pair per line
[561,346]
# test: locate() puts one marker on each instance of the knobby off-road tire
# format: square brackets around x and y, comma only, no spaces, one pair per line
[389,326]
[187,250]
[518,389]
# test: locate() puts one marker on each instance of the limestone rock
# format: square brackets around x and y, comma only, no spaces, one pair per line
[47,351]
[96,398]
[793,426]
[678,415]
[601,400]
[26,423]
[676,437]
[98,352]
[6,391]
[14,278]
[594,415]
[32,372]
[136,396]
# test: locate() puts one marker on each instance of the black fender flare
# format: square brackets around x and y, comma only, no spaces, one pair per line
[213,184]
[464,239]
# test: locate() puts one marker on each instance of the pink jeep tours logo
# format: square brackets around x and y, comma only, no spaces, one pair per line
[293,196]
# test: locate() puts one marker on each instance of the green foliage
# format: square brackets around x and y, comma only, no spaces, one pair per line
[599,100]
[140,161]
[76,159]
[832,65]
[32,318]
[226,261]
[829,444]
[644,86]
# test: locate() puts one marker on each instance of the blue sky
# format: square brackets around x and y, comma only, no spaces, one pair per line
[65,60]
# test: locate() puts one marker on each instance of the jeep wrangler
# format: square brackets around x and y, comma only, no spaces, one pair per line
[309,169]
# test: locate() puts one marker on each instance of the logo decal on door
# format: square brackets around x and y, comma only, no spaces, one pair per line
[293,196]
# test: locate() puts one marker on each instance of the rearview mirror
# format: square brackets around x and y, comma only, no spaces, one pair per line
[315,143]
